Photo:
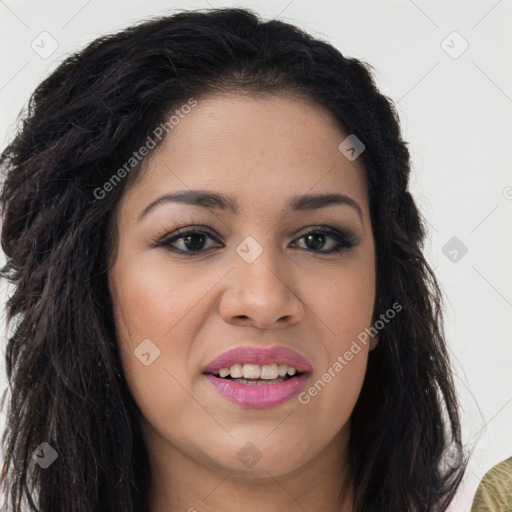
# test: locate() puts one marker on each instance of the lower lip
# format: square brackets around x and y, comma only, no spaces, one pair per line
[258,397]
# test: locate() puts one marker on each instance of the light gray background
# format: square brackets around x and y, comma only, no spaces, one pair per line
[456,113]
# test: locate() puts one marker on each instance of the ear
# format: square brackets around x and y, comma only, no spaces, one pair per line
[374,341]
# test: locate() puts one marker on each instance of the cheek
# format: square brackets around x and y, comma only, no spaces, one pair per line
[150,307]
[152,299]
[343,297]
[332,393]
[345,310]
[158,304]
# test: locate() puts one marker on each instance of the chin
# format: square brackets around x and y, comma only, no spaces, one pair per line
[257,459]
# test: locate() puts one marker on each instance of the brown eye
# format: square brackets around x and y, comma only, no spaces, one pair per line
[319,238]
[190,240]
[315,240]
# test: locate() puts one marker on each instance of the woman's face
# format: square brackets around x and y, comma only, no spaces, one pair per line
[260,274]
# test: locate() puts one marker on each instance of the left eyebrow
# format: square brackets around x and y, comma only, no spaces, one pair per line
[213,200]
[310,202]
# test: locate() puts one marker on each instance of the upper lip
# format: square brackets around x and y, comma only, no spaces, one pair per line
[258,355]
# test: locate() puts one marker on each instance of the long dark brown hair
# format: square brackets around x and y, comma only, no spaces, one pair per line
[67,388]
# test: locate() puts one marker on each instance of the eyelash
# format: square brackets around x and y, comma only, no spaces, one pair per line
[345,240]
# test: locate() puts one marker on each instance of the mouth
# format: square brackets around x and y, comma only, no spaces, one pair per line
[258,378]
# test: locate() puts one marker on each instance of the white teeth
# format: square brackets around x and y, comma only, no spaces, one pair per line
[255,371]
[224,372]
[269,372]
[251,371]
[236,371]
[282,369]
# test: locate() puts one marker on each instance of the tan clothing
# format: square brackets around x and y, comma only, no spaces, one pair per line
[494,494]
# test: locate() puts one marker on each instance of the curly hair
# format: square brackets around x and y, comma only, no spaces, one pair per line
[67,386]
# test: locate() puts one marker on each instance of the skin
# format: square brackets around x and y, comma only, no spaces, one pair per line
[262,150]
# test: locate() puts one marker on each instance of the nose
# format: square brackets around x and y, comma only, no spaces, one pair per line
[261,294]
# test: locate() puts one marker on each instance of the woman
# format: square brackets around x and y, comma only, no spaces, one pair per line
[220,300]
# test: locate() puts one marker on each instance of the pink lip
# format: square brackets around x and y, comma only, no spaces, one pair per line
[258,355]
[258,397]
[265,395]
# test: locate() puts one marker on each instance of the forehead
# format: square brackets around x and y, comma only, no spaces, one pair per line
[257,148]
